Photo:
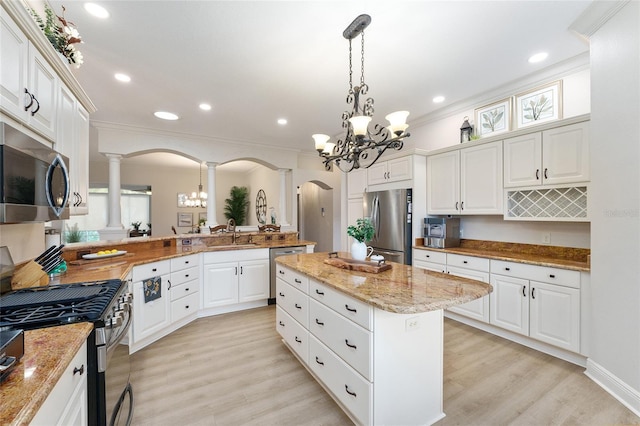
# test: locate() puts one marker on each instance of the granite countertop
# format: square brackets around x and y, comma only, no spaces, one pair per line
[47,354]
[575,259]
[402,289]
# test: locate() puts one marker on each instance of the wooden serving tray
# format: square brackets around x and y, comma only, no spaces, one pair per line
[357,265]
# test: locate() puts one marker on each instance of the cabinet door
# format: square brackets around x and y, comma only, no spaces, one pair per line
[481,179]
[443,183]
[65,127]
[377,173]
[565,154]
[354,212]
[509,303]
[13,67]
[555,315]
[523,161]
[43,86]
[220,284]
[477,309]
[399,169]
[253,280]
[356,183]
[80,162]
[151,317]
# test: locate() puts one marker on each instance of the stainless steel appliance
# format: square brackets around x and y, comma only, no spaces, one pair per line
[34,179]
[390,213]
[441,232]
[277,252]
[106,304]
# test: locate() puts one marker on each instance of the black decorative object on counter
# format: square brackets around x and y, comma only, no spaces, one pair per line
[466,131]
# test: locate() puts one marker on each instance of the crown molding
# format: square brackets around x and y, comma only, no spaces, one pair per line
[595,16]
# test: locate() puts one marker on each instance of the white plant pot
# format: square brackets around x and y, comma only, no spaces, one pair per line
[360,251]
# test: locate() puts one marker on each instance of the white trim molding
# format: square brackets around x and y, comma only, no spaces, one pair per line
[624,393]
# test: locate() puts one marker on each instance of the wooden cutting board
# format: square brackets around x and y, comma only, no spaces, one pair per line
[29,275]
[357,265]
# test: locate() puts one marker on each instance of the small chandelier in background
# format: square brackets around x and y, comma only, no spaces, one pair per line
[197,199]
[360,148]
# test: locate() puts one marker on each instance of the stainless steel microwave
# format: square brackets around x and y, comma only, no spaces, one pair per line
[34,179]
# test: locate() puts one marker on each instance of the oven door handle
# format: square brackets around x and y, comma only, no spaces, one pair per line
[116,411]
[118,338]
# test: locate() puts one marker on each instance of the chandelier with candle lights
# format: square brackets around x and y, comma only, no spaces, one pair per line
[361,148]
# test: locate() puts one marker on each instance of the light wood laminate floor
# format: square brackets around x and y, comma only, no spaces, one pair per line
[233,369]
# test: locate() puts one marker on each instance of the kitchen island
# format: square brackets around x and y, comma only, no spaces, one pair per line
[374,341]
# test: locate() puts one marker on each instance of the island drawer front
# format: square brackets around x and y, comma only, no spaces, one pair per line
[182,262]
[179,277]
[430,266]
[184,306]
[350,388]
[348,340]
[430,256]
[293,301]
[184,289]
[543,274]
[357,311]
[150,270]
[469,262]
[296,336]
[296,279]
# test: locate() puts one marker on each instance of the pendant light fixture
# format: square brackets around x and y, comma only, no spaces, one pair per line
[361,148]
[198,199]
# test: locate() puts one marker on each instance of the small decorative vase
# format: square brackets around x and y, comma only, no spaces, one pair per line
[358,250]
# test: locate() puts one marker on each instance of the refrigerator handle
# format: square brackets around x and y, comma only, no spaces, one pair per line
[376,213]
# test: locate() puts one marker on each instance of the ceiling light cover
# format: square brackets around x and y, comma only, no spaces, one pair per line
[122,77]
[538,57]
[96,10]
[166,115]
[438,99]
[205,107]
[282,121]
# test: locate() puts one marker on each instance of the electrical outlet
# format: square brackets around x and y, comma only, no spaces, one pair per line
[546,238]
[461,233]
[412,324]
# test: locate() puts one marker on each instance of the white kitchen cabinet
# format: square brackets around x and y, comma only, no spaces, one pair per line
[550,157]
[153,317]
[67,401]
[28,85]
[548,311]
[235,278]
[466,181]
[185,288]
[390,171]
[356,183]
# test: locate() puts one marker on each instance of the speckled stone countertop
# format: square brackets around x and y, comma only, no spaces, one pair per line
[47,353]
[402,289]
[575,259]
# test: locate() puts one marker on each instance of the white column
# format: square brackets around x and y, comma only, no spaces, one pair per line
[211,194]
[115,217]
[283,197]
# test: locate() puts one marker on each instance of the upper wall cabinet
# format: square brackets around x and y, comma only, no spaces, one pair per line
[28,85]
[466,181]
[356,183]
[390,171]
[554,156]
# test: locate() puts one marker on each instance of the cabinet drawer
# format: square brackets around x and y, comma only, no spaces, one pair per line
[184,306]
[430,256]
[296,279]
[153,269]
[349,387]
[350,341]
[357,311]
[184,275]
[184,289]
[470,262]
[543,274]
[182,262]
[430,266]
[293,301]
[296,336]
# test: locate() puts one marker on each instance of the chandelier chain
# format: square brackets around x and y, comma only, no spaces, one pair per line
[350,70]
[362,59]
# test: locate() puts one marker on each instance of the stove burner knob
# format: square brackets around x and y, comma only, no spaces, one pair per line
[116,321]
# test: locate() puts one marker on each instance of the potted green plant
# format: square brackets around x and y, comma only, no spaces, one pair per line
[236,205]
[361,232]
[72,235]
[136,226]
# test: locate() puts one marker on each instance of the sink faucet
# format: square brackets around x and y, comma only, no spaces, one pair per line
[231,227]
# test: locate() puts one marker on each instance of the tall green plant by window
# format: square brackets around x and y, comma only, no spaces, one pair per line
[236,205]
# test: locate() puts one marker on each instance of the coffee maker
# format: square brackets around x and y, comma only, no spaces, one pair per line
[441,232]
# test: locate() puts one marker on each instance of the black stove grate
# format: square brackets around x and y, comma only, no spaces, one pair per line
[56,305]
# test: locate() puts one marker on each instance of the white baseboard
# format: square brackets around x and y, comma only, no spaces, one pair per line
[627,396]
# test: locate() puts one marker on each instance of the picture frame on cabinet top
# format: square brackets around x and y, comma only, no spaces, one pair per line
[539,105]
[493,118]
[185,219]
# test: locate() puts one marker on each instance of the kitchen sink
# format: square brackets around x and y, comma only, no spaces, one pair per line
[234,246]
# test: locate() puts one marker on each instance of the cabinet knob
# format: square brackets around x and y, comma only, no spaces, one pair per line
[464,261]
[281,272]
[346,342]
[533,292]
[297,340]
[186,289]
[428,255]
[78,370]
[524,291]
[186,307]
[281,323]
[551,276]
[545,173]
[319,322]
[346,388]
[537,174]
[169,288]
[298,306]
[350,309]
[319,362]
[321,293]
[298,281]
[281,294]
[507,269]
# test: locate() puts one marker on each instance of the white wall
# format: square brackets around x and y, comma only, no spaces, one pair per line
[24,240]
[615,200]
[269,181]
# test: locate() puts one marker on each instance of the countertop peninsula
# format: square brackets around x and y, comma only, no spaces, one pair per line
[402,289]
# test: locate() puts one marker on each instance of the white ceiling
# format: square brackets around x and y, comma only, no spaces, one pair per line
[257,61]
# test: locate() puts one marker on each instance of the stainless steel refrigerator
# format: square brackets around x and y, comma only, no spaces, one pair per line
[390,213]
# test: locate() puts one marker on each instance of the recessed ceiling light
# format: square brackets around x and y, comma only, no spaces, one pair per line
[205,107]
[166,115]
[438,99]
[538,57]
[96,10]
[122,77]
[282,121]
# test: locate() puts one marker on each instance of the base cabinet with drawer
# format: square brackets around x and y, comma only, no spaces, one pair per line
[380,367]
